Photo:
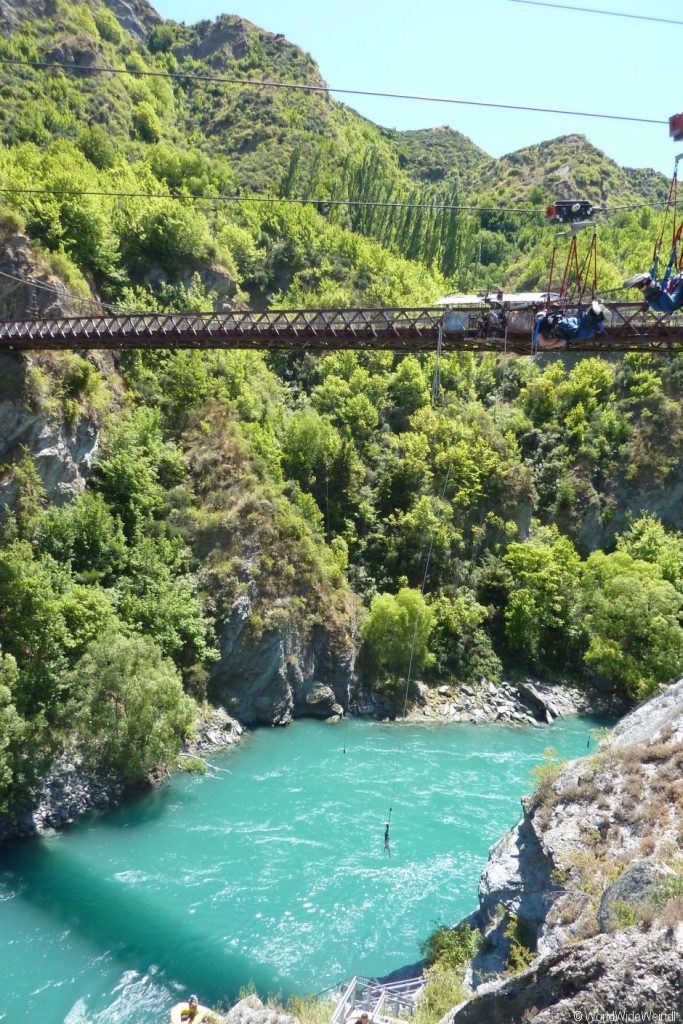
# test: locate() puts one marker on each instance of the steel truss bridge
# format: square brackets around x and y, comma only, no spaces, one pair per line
[475,328]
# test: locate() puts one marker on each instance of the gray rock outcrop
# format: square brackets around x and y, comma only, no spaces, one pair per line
[18,296]
[546,702]
[215,731]
[67,792]
[650,720]
[252,1011]
[516,880]
[62,455]
[632,889]
[589,856]
[630,499]
[136,16]
[70,790]
[281,675]
[629,972]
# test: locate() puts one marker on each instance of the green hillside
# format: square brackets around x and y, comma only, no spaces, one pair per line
[566,167]
[294,496]
[145,133]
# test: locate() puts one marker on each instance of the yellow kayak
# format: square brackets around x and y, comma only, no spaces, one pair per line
[181,1013]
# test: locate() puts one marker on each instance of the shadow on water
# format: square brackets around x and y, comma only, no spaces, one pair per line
[134,929]
[139,808]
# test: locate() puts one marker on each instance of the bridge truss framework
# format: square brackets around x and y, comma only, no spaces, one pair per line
[404,329]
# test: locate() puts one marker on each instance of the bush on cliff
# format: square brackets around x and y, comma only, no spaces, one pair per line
[633,622]
[130,710]
[396,637]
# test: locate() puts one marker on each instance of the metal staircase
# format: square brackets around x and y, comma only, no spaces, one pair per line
[384,1004]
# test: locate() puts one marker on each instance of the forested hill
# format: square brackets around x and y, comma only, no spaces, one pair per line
[180,524]
[142,133]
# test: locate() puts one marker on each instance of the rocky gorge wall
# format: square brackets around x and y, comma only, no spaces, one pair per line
[69,791]
[30,422]
[584,871]
[281,675]
[63,455]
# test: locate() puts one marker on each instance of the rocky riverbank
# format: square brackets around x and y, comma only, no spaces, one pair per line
[526,702]
[70,790]
[591,878]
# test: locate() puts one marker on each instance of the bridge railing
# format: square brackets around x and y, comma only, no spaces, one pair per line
[405,328]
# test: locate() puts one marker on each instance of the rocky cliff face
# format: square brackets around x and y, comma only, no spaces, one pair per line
[281,675]
[630,972]
[629,499]
[587,871]
[70,790]
[285,616]
[27,285]
[136,16]
[62,455]
[31,422]
[67,792]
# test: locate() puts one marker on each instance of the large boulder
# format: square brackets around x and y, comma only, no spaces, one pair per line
[252,1011]
[636,886]
[280,675]
[629,972]
[647,722]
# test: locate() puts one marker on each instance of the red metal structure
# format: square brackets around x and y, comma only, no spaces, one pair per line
[630,327]
[676,127]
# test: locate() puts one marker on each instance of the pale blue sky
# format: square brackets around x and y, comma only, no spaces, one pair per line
[490,50]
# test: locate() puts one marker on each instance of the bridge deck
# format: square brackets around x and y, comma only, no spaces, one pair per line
[321,330]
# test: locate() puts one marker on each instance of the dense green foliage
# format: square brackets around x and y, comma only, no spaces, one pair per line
[450,947]
[130,705]
[447,952]
[313,487]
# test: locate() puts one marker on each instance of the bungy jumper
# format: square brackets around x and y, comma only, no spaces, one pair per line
[569,317]
[665,294]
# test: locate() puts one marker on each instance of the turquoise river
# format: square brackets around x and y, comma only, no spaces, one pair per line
[270,869]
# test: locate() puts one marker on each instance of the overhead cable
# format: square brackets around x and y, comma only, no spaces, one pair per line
[306,201]
[594,10]
[62,292]
[306,87]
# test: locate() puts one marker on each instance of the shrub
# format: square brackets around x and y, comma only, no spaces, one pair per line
[450,947]
[107,26]
[443,990]
[632,619]
[396,635]
[129,705]
[146,123]
[461,646]
[545,776]
[161,38]
[97,147]
[521,941]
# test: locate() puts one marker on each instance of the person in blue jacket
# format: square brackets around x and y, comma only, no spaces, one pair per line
[665,296]
[577,326]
